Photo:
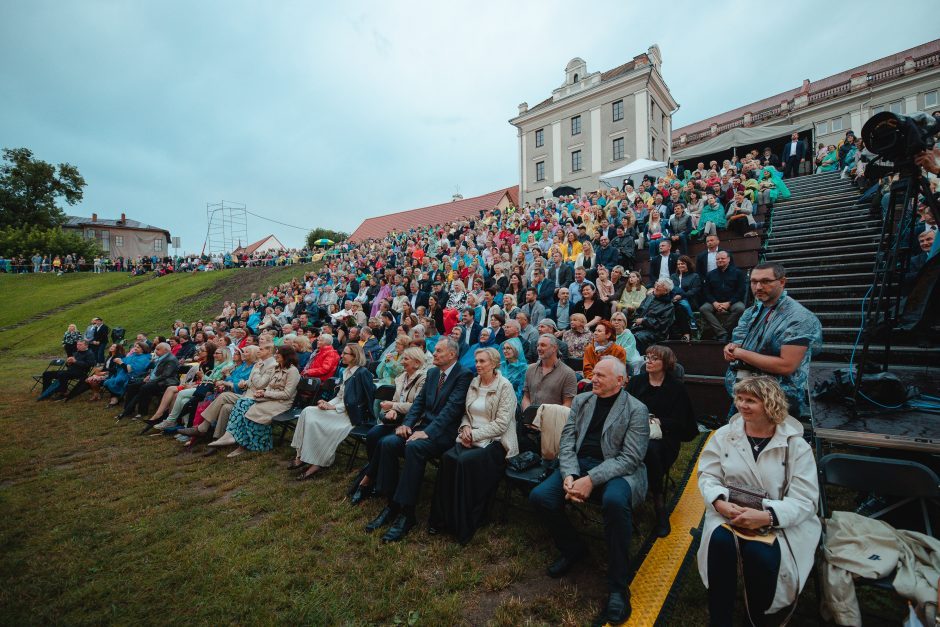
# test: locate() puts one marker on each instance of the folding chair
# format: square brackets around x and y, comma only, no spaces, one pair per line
[54,365]
[881,476]
[288,419]
[357,436]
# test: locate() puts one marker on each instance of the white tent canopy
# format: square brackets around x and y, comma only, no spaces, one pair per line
[634,170]
[741,136]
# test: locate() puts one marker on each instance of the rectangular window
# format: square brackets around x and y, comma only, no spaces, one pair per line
[618,149]
[90,233]
[158,244]
[576,161]
[822,128]
[930,99]
[897,107]
[118,240]
[576,125]
[878,109]
[835,125]
[540,138]
[617,109]
[540,171]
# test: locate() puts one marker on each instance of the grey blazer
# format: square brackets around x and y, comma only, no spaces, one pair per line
[624,440]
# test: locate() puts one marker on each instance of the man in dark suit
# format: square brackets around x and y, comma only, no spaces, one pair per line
[471,328]
[794,154]
[665,256]
[417,297]
[769,158]
[429,429]
[607,255]
[99,341]
[677,169]
[600,457]
[705,260]
[544,288]
[559,272]
[165,373]
[76,368]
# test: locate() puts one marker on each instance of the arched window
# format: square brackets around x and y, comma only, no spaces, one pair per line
[575,80]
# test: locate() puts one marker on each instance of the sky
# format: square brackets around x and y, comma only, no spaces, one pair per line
[321,114]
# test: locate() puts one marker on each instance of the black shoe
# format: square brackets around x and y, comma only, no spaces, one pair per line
[148,426]
[618,608]
[399,529]
[433,529]
[362,493]
[662,526]
[561,566]
[385,517]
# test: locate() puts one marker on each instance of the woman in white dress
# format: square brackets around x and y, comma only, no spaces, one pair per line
[321,429]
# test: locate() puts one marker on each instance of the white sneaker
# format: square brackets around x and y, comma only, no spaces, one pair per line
[166,424]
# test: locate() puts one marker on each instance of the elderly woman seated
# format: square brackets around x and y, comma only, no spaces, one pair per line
[249,424]
[321,429]
[133,366]
[407,385]
[471,471]
[758,478]
[176,397]
[654,316]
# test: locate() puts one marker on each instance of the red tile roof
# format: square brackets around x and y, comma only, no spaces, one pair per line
[251,248]
[380,226]
[815,86]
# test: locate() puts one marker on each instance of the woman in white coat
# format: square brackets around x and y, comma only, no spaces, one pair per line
[761,449]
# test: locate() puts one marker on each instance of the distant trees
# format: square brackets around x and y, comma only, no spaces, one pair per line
[30,216]
[31,188]
[321,233]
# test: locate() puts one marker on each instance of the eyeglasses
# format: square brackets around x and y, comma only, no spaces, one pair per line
[764,282]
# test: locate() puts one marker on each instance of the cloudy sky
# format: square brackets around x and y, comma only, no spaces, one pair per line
[323,114]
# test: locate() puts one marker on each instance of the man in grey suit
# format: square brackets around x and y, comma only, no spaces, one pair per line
[601,455]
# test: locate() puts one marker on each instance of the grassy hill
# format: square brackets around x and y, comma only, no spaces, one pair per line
[39,308]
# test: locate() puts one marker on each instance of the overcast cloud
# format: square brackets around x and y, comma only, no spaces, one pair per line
[325,115]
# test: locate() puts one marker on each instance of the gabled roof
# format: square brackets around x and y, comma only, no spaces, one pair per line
[380,226]
[606,77]
[77,222]
[814,86]
[251,248]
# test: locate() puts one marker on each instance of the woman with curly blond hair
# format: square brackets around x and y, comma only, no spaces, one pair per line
[758,478]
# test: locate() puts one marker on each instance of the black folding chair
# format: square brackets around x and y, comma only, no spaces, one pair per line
[288,419]
[357,436]
[575,364]
[54,365]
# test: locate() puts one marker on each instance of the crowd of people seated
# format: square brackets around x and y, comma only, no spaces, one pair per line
[471,325]
[70,262]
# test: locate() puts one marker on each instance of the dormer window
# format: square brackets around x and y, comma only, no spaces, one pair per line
[575,79]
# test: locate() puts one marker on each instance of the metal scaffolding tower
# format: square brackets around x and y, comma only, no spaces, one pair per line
[228,227]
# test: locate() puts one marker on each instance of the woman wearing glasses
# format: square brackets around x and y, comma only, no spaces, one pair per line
[321,429]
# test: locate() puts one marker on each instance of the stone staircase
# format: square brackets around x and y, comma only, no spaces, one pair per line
[828,246]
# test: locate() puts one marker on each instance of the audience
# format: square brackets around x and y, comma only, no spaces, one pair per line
[724,295]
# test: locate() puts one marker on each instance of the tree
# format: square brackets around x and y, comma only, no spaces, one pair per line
[321,233]
[30,190]
[26,241]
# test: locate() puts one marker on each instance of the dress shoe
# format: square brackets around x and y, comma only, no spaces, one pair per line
[226,440]
[399,529]
[188,431]
[662,525]
[618,608]
[433,530]
[362,493]
[385,517]
[561,566]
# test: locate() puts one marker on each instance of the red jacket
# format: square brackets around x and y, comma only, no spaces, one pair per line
[323,364]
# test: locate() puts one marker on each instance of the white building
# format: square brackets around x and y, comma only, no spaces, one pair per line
[593,123]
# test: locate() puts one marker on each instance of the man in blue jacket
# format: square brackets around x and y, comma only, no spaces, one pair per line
[429,429]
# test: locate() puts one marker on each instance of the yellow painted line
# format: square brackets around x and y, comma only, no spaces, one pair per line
[656,575]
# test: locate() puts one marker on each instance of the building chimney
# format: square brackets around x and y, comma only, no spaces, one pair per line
[805,88]
[94,217]
[523,107]
[123,219]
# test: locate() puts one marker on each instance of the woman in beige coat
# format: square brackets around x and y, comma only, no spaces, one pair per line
[249,424]
[471,471]
[761,449]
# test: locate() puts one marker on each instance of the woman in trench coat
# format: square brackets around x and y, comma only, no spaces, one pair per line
[760,449]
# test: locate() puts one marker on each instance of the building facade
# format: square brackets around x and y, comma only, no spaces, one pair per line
[905,83]
[122,238]
[594,123]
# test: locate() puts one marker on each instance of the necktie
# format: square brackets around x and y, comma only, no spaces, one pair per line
[440,382]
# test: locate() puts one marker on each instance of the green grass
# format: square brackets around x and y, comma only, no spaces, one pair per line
[34,294]
[144,306]
[102,525]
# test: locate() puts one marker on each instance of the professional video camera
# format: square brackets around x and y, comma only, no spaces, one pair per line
[899,138]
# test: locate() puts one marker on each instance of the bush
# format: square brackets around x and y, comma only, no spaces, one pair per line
[26,241]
